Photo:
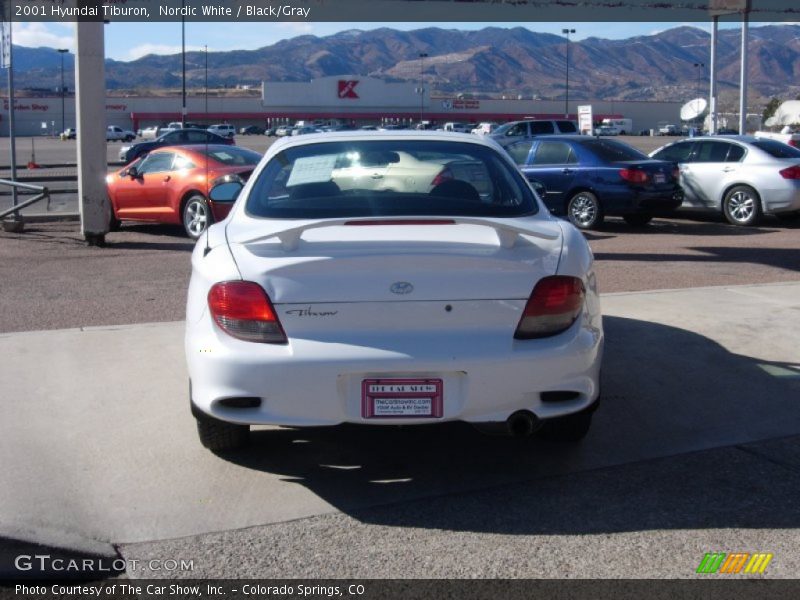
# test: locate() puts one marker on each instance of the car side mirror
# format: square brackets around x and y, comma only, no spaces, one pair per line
[133,173]
[225,192]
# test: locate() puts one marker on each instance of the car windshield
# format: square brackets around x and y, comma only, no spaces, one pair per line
[394,178]
[776,149]
[233,156]
[613,151]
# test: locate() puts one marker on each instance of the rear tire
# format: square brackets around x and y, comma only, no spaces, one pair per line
[571,428]
[196,216]
[742,206]
[585,211]
[219,436]
[113,222]
[637,220]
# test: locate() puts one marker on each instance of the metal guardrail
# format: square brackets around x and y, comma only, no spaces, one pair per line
[43,193]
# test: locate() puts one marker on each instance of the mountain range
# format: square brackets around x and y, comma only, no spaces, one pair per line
[670,65]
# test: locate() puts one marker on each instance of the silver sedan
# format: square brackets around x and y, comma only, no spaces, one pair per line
[741,176]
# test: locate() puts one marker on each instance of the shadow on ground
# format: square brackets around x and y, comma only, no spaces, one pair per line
[667,391]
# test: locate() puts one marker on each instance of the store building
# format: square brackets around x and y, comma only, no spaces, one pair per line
[353,98]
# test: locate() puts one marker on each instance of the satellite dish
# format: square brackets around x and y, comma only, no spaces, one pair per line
[693,109]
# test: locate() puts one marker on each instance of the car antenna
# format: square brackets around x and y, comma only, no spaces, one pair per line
[208,193]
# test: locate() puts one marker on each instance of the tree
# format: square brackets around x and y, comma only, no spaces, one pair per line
[770,109]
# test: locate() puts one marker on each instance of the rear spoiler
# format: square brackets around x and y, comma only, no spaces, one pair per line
[507,233]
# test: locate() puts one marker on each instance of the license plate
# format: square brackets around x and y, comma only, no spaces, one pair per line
[659,178]
[401,398]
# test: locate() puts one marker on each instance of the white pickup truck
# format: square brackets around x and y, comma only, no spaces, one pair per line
[793,139]
[118,134]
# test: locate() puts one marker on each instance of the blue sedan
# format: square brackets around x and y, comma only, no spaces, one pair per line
[586,178]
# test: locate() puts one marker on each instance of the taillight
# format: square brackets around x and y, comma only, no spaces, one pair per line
[243,310]
[443,175]
[795,143]
[791,172]
[554,305]
[676,173]
[633,175]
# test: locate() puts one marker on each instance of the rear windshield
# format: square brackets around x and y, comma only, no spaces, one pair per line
[233,156]
[567,127]
[613,151]
[395,178]
[777,149]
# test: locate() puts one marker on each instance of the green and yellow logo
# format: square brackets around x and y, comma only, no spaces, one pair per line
[737,562]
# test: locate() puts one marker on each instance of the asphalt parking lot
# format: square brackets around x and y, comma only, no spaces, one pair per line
[695,449]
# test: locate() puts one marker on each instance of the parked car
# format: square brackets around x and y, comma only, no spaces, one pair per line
[170,185]
[528,129]
[172,138]
[793,139]
[312,305]
[223,130]
[668,129]
[283,130]
[458,127]
[741,176]
[150,133]
[387,127]
[587,178]
[485,128]
[114,133]
[252,130]
[70,133]
[305,130]
[605,130]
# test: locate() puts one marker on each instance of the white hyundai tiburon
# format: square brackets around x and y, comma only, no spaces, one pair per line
[391,278]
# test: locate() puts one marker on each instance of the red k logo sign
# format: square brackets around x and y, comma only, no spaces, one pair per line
[347,89]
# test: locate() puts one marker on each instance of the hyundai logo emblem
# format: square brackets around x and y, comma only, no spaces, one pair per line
[401,287]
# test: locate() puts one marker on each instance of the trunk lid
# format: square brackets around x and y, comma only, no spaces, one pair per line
[332,262]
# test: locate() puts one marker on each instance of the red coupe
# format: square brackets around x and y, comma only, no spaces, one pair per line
[170,185]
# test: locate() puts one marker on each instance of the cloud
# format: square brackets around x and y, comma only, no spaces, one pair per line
[298,27]
[164,49]
[34,35]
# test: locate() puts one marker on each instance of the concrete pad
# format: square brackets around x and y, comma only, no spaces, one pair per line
[644,520]
[99,443]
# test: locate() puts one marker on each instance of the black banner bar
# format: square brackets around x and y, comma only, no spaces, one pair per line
[722,587]
[428,11]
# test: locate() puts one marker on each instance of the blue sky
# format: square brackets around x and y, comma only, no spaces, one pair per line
[165,38]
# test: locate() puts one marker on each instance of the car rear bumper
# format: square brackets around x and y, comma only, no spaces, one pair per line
[484,377]
[782,199]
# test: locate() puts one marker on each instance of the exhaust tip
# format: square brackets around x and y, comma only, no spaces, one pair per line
[241,402]
[522,423]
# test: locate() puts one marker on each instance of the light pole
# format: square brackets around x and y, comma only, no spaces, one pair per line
[62,51]
[206,81]
[422,57]
[701,66]
[566,99]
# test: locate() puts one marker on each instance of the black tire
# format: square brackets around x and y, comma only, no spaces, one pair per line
[742,206]
[638,220]
[572,428]
[585,211]
[113,222]
[219,436]
[196,216]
